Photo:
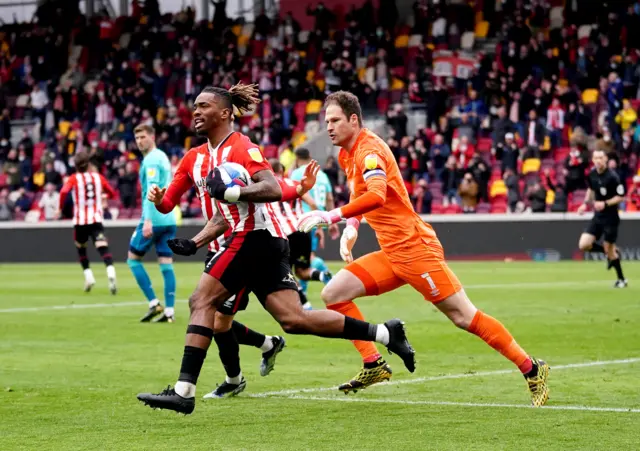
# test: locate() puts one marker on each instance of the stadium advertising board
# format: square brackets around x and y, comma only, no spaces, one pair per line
[541,237]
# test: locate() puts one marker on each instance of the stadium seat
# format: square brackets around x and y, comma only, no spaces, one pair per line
[497,188]
[500,208]
[561,153]
[482,29]
[314,107]
[589,96]
[484,145]
[402,42]
[271,151]
[3,180]
[531,165]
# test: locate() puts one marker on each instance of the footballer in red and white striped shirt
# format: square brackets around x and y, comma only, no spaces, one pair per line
[288,213]
[255,257]
[87,188]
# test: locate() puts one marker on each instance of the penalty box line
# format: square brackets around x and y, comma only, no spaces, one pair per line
[291,392]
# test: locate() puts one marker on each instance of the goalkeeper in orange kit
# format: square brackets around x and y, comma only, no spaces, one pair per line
[410,251]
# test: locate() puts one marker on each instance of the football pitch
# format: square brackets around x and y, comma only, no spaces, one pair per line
[72,363]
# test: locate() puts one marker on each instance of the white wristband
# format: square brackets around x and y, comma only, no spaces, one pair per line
[232,194]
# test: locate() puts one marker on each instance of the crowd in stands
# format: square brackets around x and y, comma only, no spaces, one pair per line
[512,133]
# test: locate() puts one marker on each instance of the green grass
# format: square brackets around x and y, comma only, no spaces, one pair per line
[68,377]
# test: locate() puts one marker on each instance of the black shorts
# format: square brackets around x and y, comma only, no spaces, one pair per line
[236,302]
[82,233]
[300,250]
[605,228]
[256,262]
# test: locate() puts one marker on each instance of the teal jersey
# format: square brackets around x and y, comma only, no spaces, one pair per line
[320,190]
[155,170]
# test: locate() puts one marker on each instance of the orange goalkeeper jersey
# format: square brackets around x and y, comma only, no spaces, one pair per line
[402,234]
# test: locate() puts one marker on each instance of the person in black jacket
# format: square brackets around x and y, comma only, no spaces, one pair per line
[537,196]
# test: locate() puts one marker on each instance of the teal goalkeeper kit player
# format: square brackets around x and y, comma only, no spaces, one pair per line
[155,170]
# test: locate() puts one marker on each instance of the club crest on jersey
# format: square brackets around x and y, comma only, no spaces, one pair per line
[603,190]
[255,155]
[371,161]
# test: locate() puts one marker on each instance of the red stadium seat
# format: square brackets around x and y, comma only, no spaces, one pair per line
[484,145]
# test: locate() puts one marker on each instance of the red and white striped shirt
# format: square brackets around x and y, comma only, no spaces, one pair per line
[193,170]
[555,118]
[288,212]
[86,189]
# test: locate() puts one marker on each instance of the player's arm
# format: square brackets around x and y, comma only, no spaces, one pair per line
[588,200]
[108,189]
[373,169]
[166,199]
[212,230]
[152,177]
[66,188]
[292,189]
[617,187]
[215,227]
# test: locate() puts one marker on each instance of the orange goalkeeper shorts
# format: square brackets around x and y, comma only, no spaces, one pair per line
[430,276]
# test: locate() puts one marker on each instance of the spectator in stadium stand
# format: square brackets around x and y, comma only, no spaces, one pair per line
[38,100]
[49,202]
[605,141]
[5,126]
[439,154]
[51,176]
[509,153]
[451,176]
[5,147]
[537,196]
[627,116]
[127,185]
[579,116]
[560,201]
[533,131]
[26,168]
[6,213]
[397,120]
[501,127]
[21,201]
[423,164]
[555,122]
[575,166]
[513,189]
[11,168]
[422,198]
[481,174]
[26,142]
[468,192]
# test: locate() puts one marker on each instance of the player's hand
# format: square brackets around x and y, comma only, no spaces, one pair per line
[147,229]
[348,239]
[599,205]
[156,194]
[581,209]
[182,246]
[320,234]
[217,189]
[334,231]
[317,218]
[57,215]
[308,178]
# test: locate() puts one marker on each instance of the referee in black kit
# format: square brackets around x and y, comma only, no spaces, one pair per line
[605,192]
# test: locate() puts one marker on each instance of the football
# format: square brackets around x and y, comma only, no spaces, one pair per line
[234,174]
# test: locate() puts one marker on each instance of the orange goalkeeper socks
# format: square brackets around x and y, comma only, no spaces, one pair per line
[498,337]
[367,349]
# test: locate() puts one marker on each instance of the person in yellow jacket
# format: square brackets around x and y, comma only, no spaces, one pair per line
[627,116]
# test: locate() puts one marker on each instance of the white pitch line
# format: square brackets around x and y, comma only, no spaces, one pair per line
[75,306]
[447,376]
[130,304]
[461,404]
